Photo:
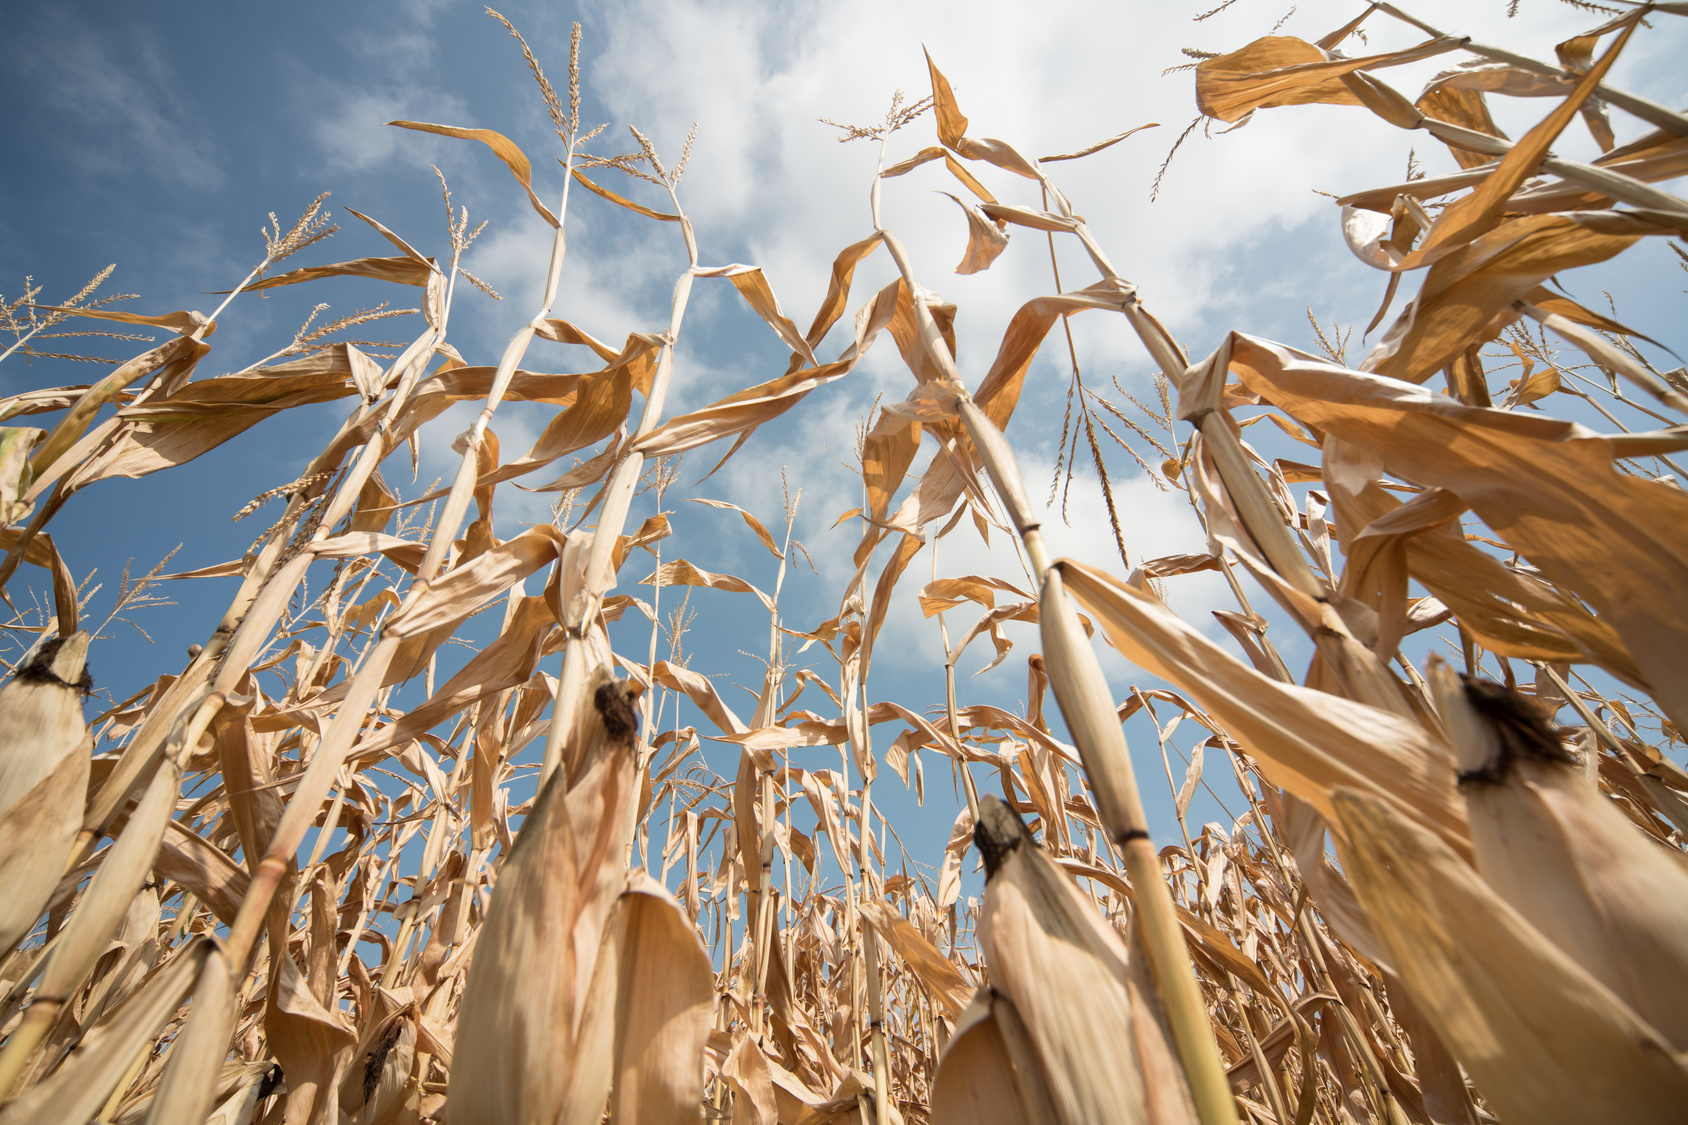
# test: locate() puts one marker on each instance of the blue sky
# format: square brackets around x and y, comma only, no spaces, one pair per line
[159,135]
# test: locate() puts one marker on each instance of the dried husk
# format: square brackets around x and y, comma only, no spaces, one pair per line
[664,1001]
[520,1029]
[981,1078]
[1561,854]
[114,888]
[44,762]
[310,1036]
[239,1104]
[1541,1038]
[376,1087]
[1065,971]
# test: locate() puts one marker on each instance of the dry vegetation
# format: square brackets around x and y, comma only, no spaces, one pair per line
[1502,931]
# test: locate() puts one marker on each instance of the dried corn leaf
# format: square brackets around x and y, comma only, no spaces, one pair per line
[587,472]
[180,322]
[471,585]
[1547,488]
[175,428]
[1099,145]
[410,251]
[310,1039]
[1474,214]
[1027,217]
[924,156]
[838,290]
[401,270]
[1467,289]
[116,885]
[600,405]
[887,453]
[1505,611]
[952,127]
[1281,70]
[16,441]
[188,1085]
[506,662]
[750,521]
[1462,106]
[744,411]
[79,1088]
[752,285]
[205,870]
[999,392]
[947,593]
[701,692]
[503,147]
[682,573]
[619,200]
[985,240]
[747,1070]
[1308,742]
[933,969]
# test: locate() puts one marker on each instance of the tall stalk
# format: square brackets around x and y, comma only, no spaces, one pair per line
[1082,691]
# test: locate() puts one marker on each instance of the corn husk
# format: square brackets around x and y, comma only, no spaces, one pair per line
[237,1083]
[310,1036]
[1065,971]
[376,1088]
[115,888]
[987,1075]
[238,1104]
[44,763]
[524,1051]
[1541,1037]
[1561,854]
[664,997]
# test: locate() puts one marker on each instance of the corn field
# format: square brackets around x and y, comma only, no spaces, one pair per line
[296,880]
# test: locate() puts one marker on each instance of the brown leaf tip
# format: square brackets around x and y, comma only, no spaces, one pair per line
[62,660]
[1523,727]
[614,701]
[999,831]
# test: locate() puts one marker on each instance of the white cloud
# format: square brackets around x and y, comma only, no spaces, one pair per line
[1238,238]
[767,175]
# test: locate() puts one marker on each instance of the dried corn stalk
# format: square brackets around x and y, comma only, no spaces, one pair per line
[435,894]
